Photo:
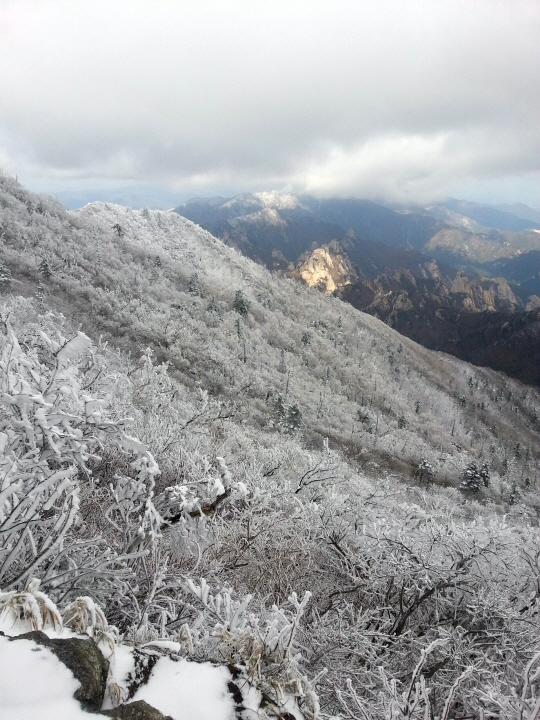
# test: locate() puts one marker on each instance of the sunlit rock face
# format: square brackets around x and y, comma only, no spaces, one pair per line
[326,268]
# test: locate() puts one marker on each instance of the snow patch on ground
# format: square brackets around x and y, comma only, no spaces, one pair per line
[188,690]
[35,684]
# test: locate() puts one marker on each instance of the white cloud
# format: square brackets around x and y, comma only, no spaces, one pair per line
[385,97]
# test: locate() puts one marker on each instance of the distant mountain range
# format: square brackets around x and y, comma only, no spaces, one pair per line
[442,275]
[137,197]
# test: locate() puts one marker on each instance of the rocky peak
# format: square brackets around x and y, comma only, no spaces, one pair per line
[327,268]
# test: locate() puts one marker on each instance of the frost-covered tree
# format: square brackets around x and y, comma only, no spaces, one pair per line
[44,269]
[282,367]
[5,276]
[241,304]
[213,307]
[41,293]
[425,471]
[485,474]
[194,286]
[471,479]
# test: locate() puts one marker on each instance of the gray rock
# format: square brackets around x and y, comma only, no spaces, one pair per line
[138,710]
[84,659]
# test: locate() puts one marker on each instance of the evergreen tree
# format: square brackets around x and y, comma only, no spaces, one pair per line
[118,229]
[241,303]
[213,307]
[194,286]
[293,418]
[306,338]
[5,276]
[471,480]
[364,418]
[282,367]
[157,261]
[44,269]
[238,325]
[279,408]
[425,471]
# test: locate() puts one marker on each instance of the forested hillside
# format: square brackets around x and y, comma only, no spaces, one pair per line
[345,519]
[364,253]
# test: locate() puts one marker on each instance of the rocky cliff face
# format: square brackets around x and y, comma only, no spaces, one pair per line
[327,268]
[389,295]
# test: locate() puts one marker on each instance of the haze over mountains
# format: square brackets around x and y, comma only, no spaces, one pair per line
[454,276]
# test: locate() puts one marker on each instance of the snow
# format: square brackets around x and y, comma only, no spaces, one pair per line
[252,702]
[185,690]
[274,198]
[182,689]
[189,691]
[35,684]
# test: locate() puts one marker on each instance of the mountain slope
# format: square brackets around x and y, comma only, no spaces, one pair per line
[155,278]
[334,502]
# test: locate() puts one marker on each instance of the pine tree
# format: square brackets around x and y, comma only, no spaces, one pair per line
[293,418]
[44,269]
[279,408]
[241,303]
[484,474]
[157,261]
[364,418]
[425,471]
[5,276]
[213,307]
[282,367]
[238,325]
[119,230]
[306,338]
[471,480]
[194,286]
[40,294]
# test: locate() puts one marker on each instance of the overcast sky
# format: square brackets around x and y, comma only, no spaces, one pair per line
[407,101]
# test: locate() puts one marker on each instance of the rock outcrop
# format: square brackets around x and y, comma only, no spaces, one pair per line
[138,710]
[83,658]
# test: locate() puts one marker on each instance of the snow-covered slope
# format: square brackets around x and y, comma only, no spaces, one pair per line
[333,498]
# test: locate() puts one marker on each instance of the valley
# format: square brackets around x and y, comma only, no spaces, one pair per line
[435,274]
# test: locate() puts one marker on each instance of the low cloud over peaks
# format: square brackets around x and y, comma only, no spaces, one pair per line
[402,100]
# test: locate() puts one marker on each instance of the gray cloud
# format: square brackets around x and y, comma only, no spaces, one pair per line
[378,98]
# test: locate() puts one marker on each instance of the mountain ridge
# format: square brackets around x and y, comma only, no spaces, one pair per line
[318,242]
